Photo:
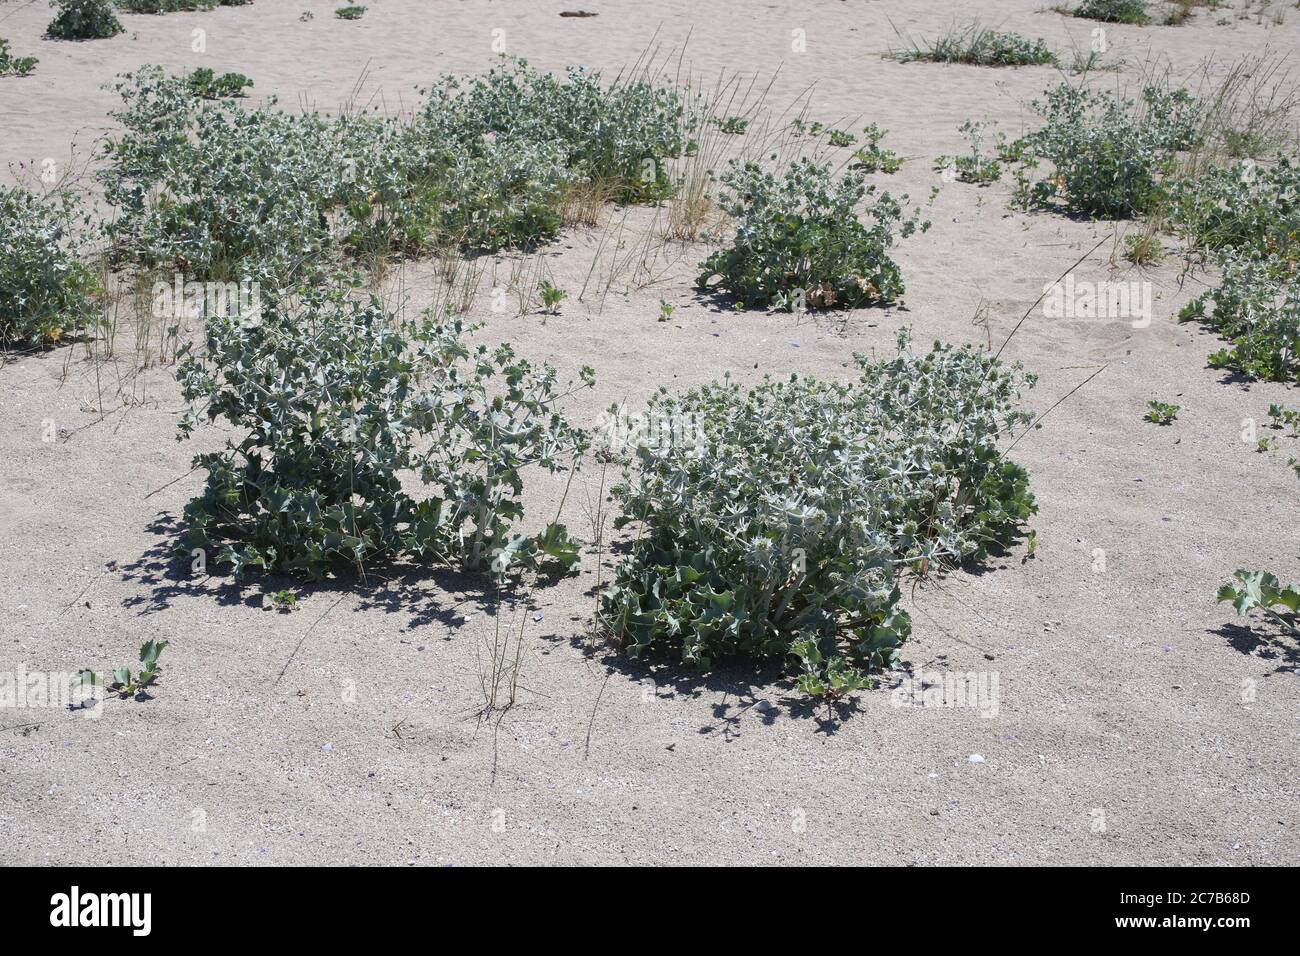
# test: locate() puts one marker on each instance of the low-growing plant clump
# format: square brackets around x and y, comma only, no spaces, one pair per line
[552,296]
[874,158]
[775,522]
[84,20]
[45,290]
[11,65]
[165,6]
[1161,413]
[1143,249]
[976,166]
[1110,154]
[1256,307]
[208,85]
[222,191]
[334,401]
[978,45]
[799,242]
[1247,207]
[1111,11]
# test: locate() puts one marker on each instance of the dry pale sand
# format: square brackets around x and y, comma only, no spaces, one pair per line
[345,732]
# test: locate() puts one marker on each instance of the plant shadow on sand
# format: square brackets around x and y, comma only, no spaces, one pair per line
[427,595]
[1265,643]
[738,690]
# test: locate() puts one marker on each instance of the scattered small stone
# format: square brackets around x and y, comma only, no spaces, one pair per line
[537,617]
[328,748]
[762,706]
[975,758]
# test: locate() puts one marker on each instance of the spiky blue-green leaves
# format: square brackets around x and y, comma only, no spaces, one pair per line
[777,520]
[800,241]
[332,400]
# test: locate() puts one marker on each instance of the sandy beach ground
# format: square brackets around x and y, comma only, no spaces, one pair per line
[1137,722]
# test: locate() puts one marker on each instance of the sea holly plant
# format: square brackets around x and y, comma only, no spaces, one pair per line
[11,65]
[874,158]
[800,241]
[45,290]
[1111,11]
[1161,413]
[978,45]
[332,400]
[83,20]
[1245,206]
[126,684]
[975,166]
[215,189]
[283,601]
[1111,154]
[552,296]
[779,524]
[208,85]
[1261,591]
[1256,307]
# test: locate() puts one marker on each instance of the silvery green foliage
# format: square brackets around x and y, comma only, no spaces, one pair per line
[1262,591]
[332,401]
[215,190]
[1248,206]
[782,526]
[44,290]
[1113,11]
[1256,307]
[980,46]
[1111,153]
[800,234]
[220,190]
[617,135]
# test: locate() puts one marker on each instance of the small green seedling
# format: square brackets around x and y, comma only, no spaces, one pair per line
[873,158]
[666,310]
[352,11]
[124,684]
[1280,417]
[552,296]
[1261,590]
[283,601]
[1161,413]
[839,137]
[831,680]
[976,167]
[734,125]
